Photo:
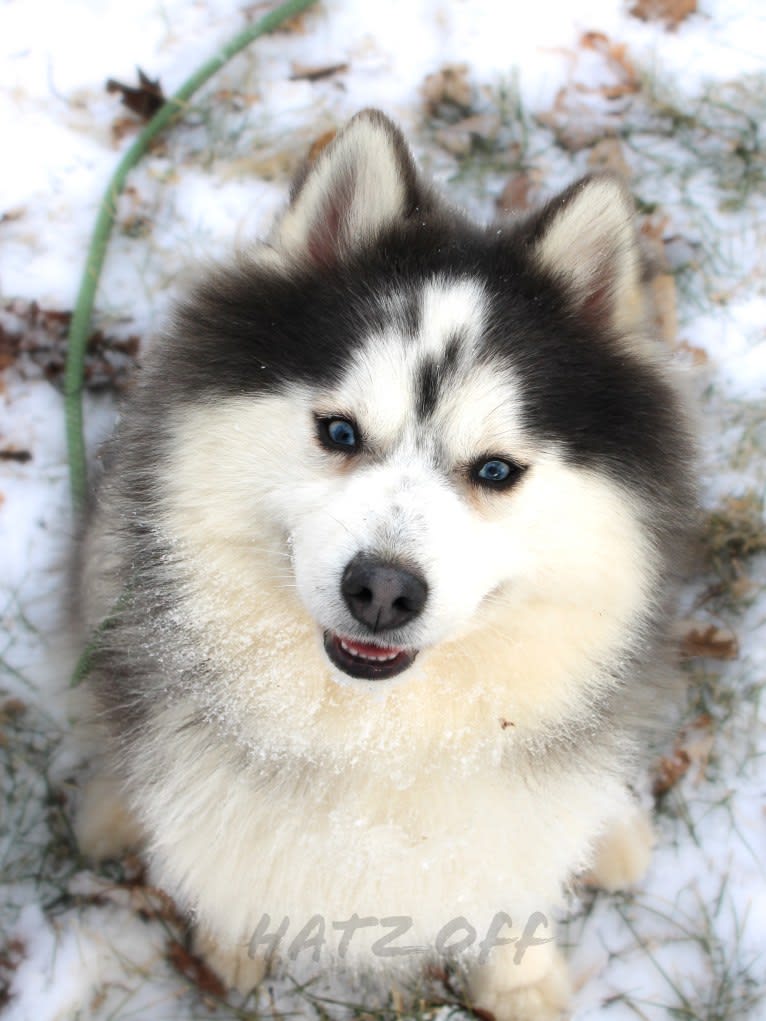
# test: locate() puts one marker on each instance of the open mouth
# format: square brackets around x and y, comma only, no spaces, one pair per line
[366,661]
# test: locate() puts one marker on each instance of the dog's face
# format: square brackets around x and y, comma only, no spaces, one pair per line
[452,425]
[419,500]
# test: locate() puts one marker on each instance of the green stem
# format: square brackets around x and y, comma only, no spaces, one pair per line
[80,326]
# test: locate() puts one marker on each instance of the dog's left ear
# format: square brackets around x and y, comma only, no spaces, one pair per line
[362,182]
[586,238]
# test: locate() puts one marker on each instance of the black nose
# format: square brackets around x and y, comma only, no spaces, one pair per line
[382,595]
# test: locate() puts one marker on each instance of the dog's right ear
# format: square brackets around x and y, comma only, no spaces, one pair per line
[363,181]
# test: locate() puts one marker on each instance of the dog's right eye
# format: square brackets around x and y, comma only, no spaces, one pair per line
[338,434]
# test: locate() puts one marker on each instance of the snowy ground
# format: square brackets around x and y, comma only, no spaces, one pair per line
[544,85]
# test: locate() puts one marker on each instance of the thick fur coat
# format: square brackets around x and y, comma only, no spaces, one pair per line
[381,568]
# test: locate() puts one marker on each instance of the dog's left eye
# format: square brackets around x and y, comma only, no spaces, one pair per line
[496,473]
[338,434]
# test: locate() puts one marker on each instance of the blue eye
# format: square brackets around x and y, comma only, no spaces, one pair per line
[496,473]
[342,433]
[338,434]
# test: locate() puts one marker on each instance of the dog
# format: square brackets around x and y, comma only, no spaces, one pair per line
[378,578]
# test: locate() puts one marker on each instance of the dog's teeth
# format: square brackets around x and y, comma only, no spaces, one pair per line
[382,658]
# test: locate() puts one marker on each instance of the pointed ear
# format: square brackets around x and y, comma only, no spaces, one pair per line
[587,239]
[362,182]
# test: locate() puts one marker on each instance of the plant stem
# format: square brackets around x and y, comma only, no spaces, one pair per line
[81,317]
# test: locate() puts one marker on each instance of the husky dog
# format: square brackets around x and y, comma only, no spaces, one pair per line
[380,571]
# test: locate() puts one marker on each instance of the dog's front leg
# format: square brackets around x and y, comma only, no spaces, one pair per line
[522,981]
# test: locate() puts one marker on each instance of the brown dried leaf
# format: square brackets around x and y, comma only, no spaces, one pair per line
[300,72]
[144,99]
[448,87]
[669,770]
[124,126]
[12,707]
[733,532]
[12,214]
[34,340]
[297,25]
[692,748]
[671,12]
[709,642]
[616,56]
[11,454]
[195,970]
[12,954]
[698,355]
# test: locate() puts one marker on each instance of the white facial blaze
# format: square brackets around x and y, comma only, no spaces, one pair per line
[454,308]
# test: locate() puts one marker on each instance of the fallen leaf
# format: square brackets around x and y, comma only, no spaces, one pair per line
[297,25]
[34,341]
[711,642]
[668,771]
[124,126]
[692,748]
[617,59]
[671,12]
[10,454]
[448,87]
[12,214]
[11,955]
[698,355]
[300,72]
[12,707]
[144,99]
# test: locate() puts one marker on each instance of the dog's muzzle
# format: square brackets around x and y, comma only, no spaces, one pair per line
[382,596]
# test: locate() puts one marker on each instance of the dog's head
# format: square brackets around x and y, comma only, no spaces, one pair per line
[422,428]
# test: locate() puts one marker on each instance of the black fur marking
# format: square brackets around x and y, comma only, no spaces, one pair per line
[433,375]
[427,386]
[451,356]
[258,331]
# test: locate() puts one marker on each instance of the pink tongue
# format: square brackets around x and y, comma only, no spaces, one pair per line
[365,649]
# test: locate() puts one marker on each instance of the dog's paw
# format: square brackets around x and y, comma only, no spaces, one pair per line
[104,825]
[232,964]
[545,998]
[623,853]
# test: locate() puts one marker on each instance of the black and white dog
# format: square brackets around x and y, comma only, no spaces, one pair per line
[381,570]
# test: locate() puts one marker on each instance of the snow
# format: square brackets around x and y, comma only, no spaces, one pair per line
[217,179]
